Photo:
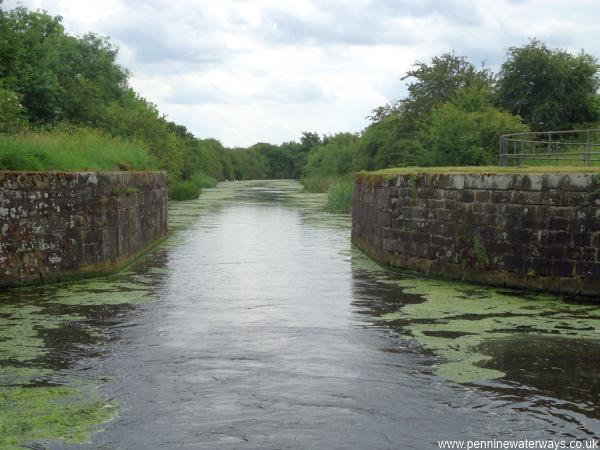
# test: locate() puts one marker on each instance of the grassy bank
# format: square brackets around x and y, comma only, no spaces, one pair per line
[339,196]
[483,170]
[191,189]
[340,190]
[70,150]
[317,183]
[80,149]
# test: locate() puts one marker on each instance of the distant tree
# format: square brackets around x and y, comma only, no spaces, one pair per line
[308,140]
[333,157]
[549,88]
[385,144]
[381,112]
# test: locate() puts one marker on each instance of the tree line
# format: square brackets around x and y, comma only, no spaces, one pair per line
[453,113]
[58,84]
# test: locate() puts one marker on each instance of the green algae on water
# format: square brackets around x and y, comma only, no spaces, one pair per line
[33,411]
[456,319]
[113,296]
[34,408]
[35,414]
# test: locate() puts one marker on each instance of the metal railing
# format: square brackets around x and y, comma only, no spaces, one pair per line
[576,147]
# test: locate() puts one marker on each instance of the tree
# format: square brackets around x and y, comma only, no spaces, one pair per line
[386,144]
[333,157]
[432,84]
[27,58]
[435,83]
[308,140]
[12,113]
[58,76]
[465,130]
[549,88]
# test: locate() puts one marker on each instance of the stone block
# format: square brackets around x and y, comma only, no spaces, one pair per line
[72,220]
[537,231]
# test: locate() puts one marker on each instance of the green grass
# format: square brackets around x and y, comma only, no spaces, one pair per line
[560,159]
[190,189]
[72,150]
[319,183]
[484,170]
[339,196]
[202,180]
[184,190]
[76,149]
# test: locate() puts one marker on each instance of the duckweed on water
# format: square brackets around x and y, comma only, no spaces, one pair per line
[456,319]
[20,327]
[34,408]
[34,414]
[115,295]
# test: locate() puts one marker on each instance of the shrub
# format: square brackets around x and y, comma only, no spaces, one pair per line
[339,196]
[12,113]
[202,180]
[318,183]
[184,190]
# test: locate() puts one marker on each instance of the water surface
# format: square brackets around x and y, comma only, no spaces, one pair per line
[257,325]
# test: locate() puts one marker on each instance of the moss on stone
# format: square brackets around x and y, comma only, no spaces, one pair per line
[381,174]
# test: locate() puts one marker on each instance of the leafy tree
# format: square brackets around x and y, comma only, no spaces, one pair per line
[334,156]
[27,57]
[436,82]
[395,136]
[465,130]
[12,113]
[297,155]
[89,76]
[308,141]
[385,144]
[432,84]
[549,88]
[58,76]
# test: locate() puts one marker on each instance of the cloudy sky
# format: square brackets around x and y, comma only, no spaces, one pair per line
[246,71]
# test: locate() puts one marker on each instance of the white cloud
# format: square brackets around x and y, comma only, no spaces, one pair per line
[245,71]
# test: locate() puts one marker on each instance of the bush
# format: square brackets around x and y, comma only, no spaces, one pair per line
[12,113]
[339,196]
[184,190]
[465,131]
[318,183]
[202,180]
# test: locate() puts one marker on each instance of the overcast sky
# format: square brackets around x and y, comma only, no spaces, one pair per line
[247,71]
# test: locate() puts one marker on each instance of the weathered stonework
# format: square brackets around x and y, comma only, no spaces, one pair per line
[536,231]
[57,226]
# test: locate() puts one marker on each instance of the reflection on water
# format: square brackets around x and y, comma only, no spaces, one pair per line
[554,367]
[257,325]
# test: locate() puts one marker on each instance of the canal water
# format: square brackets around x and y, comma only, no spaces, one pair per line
[257,325]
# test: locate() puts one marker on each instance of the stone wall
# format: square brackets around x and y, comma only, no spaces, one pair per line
[57,226]
[537,231]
